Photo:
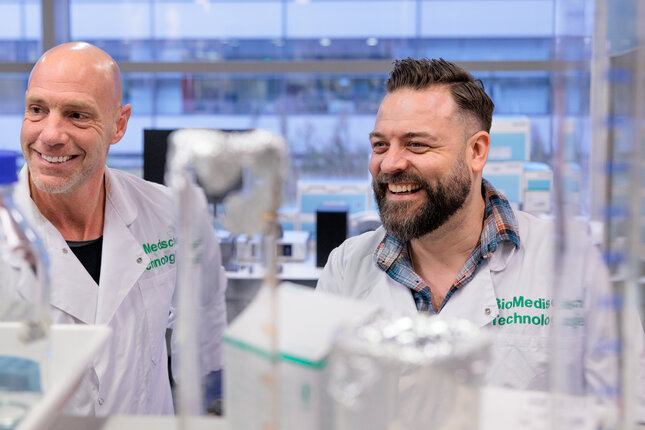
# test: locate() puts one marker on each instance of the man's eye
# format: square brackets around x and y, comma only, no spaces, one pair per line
[379,147]
[418,147]
[77,115]
[36,109]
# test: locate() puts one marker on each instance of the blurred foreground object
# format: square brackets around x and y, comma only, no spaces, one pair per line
[73,349]
[405,372]
[244,172]
[24,299]
[307,322]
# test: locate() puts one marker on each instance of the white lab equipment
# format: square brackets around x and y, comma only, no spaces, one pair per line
[536,188]
[510,139]
[244,171]
[308,322]
[24,299]
[74,347]
[357,195]
[291,246]
[404,372]
[526,185]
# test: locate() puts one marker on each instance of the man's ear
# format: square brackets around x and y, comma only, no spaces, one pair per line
[478,146]
[121,123]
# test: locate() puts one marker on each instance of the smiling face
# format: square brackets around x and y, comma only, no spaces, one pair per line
[73,114]
[419,167]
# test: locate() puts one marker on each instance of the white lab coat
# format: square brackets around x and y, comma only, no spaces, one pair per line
[520,353]
[134,296]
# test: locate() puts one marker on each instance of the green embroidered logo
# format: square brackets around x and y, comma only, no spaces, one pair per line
[522,319]
[155,248]
[519,303]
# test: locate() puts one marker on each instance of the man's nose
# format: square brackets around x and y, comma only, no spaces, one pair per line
[53,131]
[394,161]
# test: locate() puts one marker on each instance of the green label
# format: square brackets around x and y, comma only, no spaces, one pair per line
[522,319]
[157,257]
[519,304]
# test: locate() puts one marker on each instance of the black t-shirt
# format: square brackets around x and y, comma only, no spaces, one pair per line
[89,254]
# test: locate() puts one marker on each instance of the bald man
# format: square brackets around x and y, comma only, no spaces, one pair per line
[109,235]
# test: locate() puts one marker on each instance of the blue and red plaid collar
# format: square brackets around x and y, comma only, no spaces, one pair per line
[500,225]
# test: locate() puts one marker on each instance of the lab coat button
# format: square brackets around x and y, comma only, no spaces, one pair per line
[139,260]
[101,401]
[487,311]
[65,251]
[154,363]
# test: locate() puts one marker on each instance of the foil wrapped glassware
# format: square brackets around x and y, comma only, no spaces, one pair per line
[405,372]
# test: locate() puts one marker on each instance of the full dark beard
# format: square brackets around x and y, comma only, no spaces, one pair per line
[446,197]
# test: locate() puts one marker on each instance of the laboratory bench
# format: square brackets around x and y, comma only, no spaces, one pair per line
[141,422]
[124,422]
[287,270]
[245,282]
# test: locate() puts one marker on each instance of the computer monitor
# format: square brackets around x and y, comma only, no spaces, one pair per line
[155,147]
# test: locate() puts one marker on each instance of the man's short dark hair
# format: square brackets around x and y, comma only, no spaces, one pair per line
[468,92]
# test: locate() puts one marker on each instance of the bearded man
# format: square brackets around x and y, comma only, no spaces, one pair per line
[452,245]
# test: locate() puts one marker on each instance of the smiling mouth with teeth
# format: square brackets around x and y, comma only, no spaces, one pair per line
[56,159]
[403,188]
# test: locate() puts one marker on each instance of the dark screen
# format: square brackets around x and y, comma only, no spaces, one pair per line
[155,146]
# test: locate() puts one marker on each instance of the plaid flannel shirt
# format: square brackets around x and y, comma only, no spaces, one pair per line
[392,256]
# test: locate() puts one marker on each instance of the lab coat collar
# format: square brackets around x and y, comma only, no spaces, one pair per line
[475,301]
[123,259]
[72,289]
[501,257]
[122,201]
[22,198]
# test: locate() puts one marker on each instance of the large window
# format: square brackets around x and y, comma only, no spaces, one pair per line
[20,30]
[311,70]
[215,30]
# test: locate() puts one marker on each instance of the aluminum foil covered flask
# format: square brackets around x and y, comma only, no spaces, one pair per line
[408,372]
